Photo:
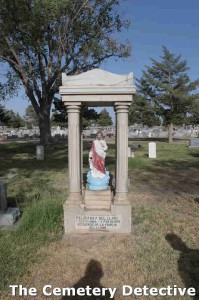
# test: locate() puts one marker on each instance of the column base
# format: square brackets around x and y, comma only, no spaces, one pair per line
[121,198]
[74,199]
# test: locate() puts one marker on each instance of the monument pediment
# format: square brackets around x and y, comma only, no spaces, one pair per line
[97,77]
[97,82]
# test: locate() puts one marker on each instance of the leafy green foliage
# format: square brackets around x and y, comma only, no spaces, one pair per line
[89,116]
[104,118]
[60,117]
[15,120]
[141,112]
[10,119]
[10,85]
[30,117]
[193,117]
[4,116]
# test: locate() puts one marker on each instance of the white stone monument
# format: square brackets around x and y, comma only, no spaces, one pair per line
[152,150]
[84,210]
[129,151]
[40,152]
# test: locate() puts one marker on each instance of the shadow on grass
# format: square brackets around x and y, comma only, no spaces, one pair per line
[176,164]
[195,154]
[175,171]
[23,158]
[91,278]
[188,262]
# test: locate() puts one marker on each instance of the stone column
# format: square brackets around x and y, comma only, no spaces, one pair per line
[74,152]
[81,153]
[121,196]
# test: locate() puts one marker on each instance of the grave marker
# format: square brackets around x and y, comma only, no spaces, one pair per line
[152,150]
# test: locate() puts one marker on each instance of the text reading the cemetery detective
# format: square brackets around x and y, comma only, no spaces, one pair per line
[126,290]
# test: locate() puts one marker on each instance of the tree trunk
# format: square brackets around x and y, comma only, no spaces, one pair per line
[170,131]
[44,126]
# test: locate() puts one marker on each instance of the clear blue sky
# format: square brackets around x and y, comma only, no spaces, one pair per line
[173,23]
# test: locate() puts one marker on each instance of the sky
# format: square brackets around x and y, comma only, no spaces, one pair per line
[173,23]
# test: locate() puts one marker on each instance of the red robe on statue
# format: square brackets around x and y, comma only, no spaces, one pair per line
[97,160]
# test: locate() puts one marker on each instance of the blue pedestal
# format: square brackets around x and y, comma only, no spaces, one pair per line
[98,184]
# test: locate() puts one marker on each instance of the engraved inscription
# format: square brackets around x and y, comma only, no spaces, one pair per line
[97,222]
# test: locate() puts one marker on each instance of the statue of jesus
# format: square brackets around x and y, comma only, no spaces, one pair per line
[97,156]
[98,177]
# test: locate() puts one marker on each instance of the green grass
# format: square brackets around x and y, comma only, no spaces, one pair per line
[164,193]
[39,190]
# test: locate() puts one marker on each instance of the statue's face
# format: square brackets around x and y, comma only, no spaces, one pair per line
[99,136]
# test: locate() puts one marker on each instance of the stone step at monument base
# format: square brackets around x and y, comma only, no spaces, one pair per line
[98,199]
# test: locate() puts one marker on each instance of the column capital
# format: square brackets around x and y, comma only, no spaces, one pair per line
[121,107]
[74,107]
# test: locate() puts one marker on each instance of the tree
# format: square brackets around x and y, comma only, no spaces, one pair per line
[142,112]
[60,116]
[15,120]
[168,86]
[40,39]
[4,116]
[193,117]
[104,118]
[89,116]
[30,117]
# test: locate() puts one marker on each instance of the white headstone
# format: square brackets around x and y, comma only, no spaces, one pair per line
[152,150]
[40,152]
[129,151]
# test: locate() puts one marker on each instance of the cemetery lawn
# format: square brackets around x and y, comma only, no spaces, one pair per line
[164,193]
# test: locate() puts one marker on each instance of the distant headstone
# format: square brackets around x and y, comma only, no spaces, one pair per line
[3,197]
[194,143]
[152,150]
[40,152]
[14,136]
[129,151]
